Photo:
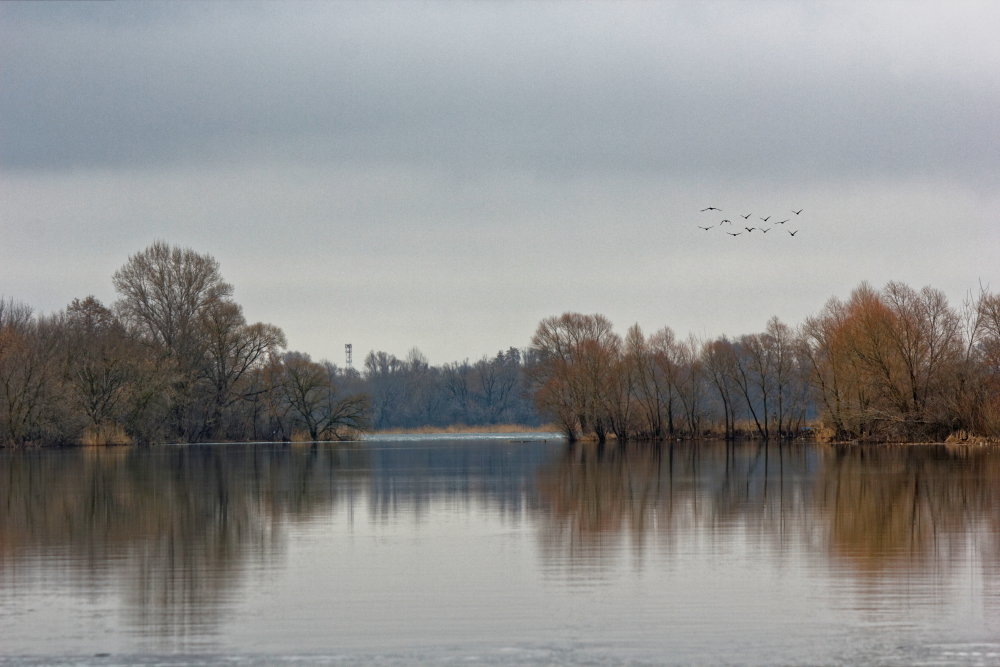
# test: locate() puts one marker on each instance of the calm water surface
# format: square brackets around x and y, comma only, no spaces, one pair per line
[500,550]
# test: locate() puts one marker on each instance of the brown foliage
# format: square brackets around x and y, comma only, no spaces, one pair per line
[578,357]
[886,364]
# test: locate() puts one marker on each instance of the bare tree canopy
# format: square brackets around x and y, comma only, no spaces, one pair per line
[165,289]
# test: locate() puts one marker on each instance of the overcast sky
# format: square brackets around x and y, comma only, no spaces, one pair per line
[445,175]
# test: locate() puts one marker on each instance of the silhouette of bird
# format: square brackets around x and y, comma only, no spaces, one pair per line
[764,230]
[727,220]
[749,229]
[710,208]
[766,219]
[793,233]
[781,222]
[734,233]
[705,228]
[747,216]
[798,211]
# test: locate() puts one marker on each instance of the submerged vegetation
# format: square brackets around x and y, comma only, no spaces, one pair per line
[174,360]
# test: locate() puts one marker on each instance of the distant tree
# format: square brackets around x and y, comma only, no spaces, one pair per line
[647,384]
[926,338]
[664,350]
[209,359]
[102,366]
[166,294]
[496,382]
[384,373]
[307,388]
[621,390]
[576,359]
[456,380]
[981,400]
[888,363]
[233,350]
[422,400]
[28,375]
[165,291]
[831,367]
[718,359]
[690,384]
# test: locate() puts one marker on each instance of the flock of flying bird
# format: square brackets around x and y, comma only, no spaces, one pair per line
[745,224]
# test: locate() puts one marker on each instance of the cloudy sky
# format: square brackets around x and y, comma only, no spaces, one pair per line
[445,175]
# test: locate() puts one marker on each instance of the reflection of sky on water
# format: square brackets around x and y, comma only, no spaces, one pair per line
[446,545]
[463,437]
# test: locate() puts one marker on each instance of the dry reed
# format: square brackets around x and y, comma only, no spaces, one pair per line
[105,434]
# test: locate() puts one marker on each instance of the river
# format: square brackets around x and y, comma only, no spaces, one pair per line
[502,549]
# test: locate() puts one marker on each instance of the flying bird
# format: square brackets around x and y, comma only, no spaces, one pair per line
[749,229]
[764,230]
[747,216]
[734,233]
[793,233]
[798,211]
[710,208]
[726,220]
[705,228]
[766,219]
[781,222]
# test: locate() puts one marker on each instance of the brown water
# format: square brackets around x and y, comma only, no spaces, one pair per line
[494,551]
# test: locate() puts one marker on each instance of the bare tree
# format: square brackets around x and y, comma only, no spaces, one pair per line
[101,366]
[233,349]
[28,374]
[164,292]
[718,359]
[308,390]
[647,383]
[496,381]
[887,363]
[384,373]
[576,356]
[457,382]
[663,348]
[690,384]
[751,378]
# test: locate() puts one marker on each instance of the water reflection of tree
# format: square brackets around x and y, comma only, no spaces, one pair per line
[413,479]
[177,525]
[888,505]
[870,509]
[177,528]
[593,496]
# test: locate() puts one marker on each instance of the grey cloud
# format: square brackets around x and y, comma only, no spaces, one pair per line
[541,87]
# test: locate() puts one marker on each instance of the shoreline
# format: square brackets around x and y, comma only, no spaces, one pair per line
[955,439]
[465,428]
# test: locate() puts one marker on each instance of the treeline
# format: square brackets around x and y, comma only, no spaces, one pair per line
[889,364]
[409,393]
[173,359]
[595,383]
